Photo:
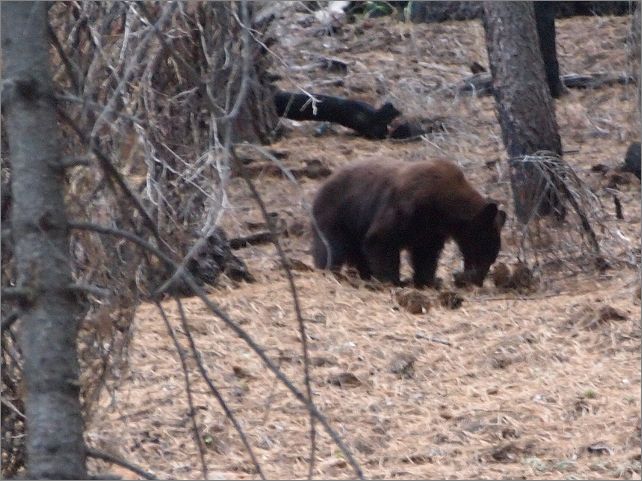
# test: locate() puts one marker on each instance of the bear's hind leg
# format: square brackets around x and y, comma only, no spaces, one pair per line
[383,262]
[381,246]
[330,256]
[358,259]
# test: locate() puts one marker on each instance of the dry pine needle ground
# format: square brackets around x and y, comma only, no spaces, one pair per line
[540,385]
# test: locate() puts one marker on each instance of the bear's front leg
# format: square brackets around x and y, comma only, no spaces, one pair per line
[423,258]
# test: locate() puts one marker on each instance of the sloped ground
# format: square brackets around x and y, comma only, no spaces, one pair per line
[544,384]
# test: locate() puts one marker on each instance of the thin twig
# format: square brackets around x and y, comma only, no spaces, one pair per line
[71,69]
[23,294]
[295,298]
[8,321]
[112,458]
[11,406]
[217,394]
[89,289]
[239,331]
[114,174]
[69,162]
[188,388]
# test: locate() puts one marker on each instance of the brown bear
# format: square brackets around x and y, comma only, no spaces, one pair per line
[367,212]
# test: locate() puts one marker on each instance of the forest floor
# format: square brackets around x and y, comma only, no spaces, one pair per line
[518,385]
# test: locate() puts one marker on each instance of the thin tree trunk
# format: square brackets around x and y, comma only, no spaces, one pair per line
[49,318]
[524,103]
[545,22]
[634,50]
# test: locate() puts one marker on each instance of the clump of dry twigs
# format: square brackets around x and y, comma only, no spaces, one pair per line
[152,98]
[576,234]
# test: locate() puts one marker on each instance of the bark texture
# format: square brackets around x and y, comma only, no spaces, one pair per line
[524,104]
[49,319]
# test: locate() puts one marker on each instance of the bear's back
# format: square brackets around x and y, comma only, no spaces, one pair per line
[355,190]
[438,185]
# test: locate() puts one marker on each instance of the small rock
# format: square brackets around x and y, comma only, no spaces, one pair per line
[363,447]
[242,373]
[297,228]
[403,365]
[344,379]
[445,413]
[490,164]
[522,277]
[601,168]
[609,313]
[265,442]
[615,179]
[476,68]
[298,265]
[316,169]
[320,361]
[501,275]
[599,448]
[413,301]
[450,300]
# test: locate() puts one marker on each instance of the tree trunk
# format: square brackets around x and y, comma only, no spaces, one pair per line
[545,23]
[49,319]
[634,50]
[524,104]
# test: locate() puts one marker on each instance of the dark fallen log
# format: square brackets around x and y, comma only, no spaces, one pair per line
[592,81]
[252,239]
[354,114]
[481,84]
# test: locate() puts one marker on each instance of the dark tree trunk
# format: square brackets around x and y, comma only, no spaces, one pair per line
[524,104]
[634,49]
[256,119]
[545,22]
[49,319]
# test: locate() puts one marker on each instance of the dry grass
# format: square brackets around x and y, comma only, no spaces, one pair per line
[543,385]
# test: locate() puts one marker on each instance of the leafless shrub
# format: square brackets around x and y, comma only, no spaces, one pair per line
[151,95]
[578,237]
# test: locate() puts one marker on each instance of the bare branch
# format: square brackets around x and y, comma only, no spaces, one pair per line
[69,162]
[22,294]
[295,298]
[217,394]
[8,321]
[89,289]
[72,70]
[239,331]
[113,173]
[188,389]
[98,454]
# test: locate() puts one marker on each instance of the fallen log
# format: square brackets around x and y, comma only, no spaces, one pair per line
[481,83]
[354,114]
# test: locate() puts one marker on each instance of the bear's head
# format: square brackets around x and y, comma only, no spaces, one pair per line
[480,244]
